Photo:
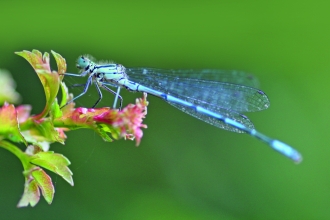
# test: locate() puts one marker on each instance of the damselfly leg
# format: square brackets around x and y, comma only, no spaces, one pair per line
[97,85]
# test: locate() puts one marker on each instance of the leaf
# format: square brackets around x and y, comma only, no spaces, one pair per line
[126,123]
[66,97]
[44,182]
[43,133]
[31,194]
[56,163]
[37,180]
[104,131]
[23,112]
[9,126]
[55,111]
[61,63]
[50,80]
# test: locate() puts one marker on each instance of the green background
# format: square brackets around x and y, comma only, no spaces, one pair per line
[184,168]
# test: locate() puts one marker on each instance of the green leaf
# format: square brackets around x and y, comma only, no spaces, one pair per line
[55,111]
[56,163]
[44,183]
[9,126]
[35,180]
[104,131]
[42,133]
[61,63]
[65,98]
[50,80]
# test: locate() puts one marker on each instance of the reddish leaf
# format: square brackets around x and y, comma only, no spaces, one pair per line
[43,133]
[31,194]
[50,80]
[9,124]
[61,63]
[23,112]
[56,163]
[44,182]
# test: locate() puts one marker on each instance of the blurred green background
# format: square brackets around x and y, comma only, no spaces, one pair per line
[184,168]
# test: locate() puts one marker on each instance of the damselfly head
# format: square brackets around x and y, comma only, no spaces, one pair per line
[82,62]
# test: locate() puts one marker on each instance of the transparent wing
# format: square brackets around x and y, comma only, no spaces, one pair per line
[228,76]
[223,92]
[211,89]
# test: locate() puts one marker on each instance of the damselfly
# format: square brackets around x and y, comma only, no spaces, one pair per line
[215,96]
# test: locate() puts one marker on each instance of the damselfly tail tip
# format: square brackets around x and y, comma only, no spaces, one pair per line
[286,150]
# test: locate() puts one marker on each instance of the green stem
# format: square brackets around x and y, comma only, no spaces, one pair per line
[58,123]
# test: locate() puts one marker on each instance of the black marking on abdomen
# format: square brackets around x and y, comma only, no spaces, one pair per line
[92,70]
[164,96]
[194,107]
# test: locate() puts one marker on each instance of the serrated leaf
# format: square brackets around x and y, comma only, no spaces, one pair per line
[9,126]
[36,140]
[31,194]
[55,111]
[43,131]
[54,162]
[61,63]
[104,131]
[50,80]
[66,97]
[44,182]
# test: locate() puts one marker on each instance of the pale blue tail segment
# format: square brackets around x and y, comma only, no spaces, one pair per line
[277,145]
[286,150]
